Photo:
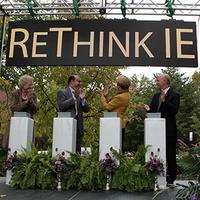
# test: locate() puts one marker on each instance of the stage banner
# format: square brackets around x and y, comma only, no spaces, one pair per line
[102,42]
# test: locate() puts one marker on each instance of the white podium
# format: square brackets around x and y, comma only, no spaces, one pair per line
[110,134]
[64,135]
[155,135]
[20,136]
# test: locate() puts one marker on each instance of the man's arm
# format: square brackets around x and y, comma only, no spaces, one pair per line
[152,107]
[15,104]
[83,102]
[85,106]
[63,102]
[33,104]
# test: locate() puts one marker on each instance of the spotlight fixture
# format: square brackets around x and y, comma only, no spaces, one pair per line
[102,11]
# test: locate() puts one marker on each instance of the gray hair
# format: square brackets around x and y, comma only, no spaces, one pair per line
[166,77]
[23,80]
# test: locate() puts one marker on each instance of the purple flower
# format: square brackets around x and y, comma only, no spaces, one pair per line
[193,198]
[60,164]
[155,165]
[109,164]
[179,141]
[57,162]
[12,161]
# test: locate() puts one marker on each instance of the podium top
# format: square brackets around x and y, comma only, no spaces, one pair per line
[110,114]
[153,115]
[21,114]
[64,114]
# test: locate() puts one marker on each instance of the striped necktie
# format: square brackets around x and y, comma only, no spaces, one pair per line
[162,93]
[75,103]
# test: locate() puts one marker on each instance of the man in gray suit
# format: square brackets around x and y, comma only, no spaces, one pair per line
[72,99]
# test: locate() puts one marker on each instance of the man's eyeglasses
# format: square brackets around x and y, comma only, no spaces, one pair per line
[28,88]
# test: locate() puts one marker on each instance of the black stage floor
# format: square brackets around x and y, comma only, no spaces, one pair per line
[13,194]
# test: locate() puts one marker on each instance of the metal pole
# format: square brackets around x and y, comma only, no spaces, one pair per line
[3,28]
[198,42]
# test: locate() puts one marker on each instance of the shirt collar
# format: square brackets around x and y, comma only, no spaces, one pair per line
[165,90]
[72,90]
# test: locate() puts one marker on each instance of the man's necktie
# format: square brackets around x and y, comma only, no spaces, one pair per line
[75,103]
[161,97]
[76,106]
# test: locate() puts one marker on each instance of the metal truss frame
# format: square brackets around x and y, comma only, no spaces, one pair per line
[98,7]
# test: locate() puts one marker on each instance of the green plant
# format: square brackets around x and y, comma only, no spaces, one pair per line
[85,173]
[3,155]
[132,174]
[35,171]
[80,172]
[190,165]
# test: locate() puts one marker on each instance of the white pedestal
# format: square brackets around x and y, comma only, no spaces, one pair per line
[21,136]
[155,135]
[110,135]
[8,176]
[21,133]
[64,136]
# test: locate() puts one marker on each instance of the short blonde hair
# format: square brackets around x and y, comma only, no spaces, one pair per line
[24,79]
[123,82]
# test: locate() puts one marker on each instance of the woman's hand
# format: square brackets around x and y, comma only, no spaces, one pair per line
[100,91]
[103,92]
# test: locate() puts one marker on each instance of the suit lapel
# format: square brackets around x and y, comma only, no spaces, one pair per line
[68,92]
[168,94]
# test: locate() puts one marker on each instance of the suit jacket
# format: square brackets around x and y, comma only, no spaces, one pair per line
[118,103]
[168,109]
[18,105]
[66,103]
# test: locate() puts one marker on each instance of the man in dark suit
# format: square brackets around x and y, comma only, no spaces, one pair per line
[72,99]
[167,103]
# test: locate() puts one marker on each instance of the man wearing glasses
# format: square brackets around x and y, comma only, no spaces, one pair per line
[72,99]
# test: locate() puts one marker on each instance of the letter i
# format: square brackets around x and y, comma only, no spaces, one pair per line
[101,40]
[167,43]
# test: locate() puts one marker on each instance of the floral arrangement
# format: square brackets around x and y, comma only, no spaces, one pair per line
[60,163]
[12,160]
[60,167]
[155,164]
[109,164]
[40,170]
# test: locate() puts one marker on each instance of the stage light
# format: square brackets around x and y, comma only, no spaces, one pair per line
[102,11]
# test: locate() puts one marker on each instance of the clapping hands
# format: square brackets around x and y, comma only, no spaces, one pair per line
[82,95]
[79,93]
[103,92]
[27,97]
[30,96]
